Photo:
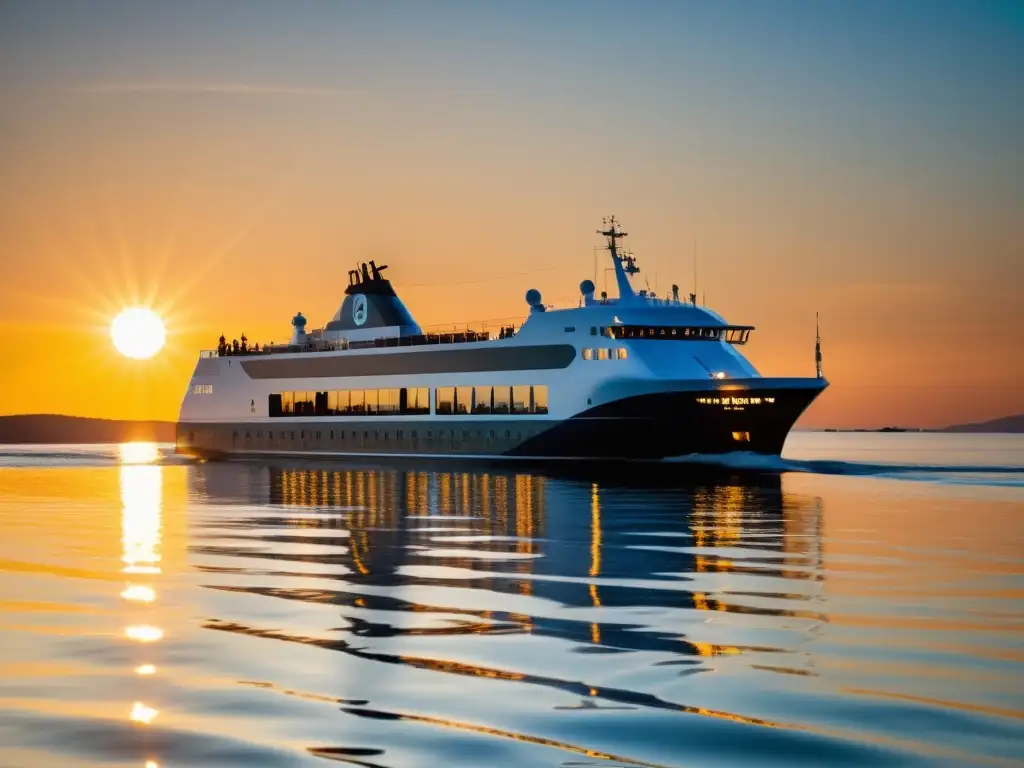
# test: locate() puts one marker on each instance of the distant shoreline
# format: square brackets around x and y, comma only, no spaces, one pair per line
[54,429]
[880,429]
[1006,425]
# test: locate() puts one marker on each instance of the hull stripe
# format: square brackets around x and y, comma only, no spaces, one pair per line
[413,363]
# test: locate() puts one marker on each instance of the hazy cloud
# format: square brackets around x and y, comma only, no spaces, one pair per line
[213,88]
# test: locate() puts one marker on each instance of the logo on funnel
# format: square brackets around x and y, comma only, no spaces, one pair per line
[359,309]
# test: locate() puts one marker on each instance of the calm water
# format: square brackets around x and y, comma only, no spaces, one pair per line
[861,602]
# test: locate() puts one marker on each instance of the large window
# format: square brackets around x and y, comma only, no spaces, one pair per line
[501,400]
[445,404]
[539,400]
[481,399]
[520,399]
[463,399]
[351,402]
[417,400]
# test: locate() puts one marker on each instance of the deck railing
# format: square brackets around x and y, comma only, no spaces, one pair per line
[446,333]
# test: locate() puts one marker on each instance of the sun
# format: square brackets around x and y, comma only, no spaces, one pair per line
[138,333]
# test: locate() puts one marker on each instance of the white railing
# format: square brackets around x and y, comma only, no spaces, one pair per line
[444,333]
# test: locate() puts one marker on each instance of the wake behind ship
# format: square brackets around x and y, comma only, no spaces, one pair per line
[633,377]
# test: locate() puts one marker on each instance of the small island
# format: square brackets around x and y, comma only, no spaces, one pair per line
[1004,425]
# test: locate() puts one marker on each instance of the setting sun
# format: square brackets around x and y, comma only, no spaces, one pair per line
[138,333]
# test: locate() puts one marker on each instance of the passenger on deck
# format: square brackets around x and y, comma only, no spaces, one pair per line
[222,346]
[234,346]
[245,344]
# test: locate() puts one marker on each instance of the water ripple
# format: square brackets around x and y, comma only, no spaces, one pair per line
[163,613]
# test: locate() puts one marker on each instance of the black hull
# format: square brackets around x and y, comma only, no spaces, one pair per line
[669,424]
[648,427]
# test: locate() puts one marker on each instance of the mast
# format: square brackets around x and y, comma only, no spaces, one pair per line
[817,346]
[624,265]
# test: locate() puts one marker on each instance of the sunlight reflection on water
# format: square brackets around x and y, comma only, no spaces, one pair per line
[141,483]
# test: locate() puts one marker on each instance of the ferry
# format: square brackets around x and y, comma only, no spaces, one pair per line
[637,376]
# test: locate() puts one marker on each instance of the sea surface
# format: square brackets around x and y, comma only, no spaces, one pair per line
[858,602]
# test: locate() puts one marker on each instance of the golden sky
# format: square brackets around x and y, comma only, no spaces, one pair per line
[228,166]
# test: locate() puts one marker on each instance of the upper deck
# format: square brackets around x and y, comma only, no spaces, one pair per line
[373,317]
[687,323]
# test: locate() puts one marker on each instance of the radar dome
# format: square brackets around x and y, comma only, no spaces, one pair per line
[299,321]
[587,287]
[533,299]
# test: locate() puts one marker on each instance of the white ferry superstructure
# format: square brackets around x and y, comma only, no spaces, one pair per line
[633,377]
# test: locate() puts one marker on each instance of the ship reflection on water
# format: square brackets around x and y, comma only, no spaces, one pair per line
[587,551]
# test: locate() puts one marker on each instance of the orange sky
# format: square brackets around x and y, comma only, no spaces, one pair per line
[205,187]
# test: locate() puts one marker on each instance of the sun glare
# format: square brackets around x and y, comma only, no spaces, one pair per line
[138,453]
[138,333]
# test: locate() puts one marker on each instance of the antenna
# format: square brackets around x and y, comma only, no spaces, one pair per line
[817,346]
[624,264]
[695,266]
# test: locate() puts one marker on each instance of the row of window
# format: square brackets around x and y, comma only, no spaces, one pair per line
[503,399]
[604,353]
[731,334]
[352,402]
[376,434]
[523,399]
[202,389]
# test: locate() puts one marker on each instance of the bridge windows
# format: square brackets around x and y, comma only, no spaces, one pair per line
[733,334]
[202,389]
[737,335]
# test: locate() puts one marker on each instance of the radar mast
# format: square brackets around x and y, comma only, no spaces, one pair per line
[625,265]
